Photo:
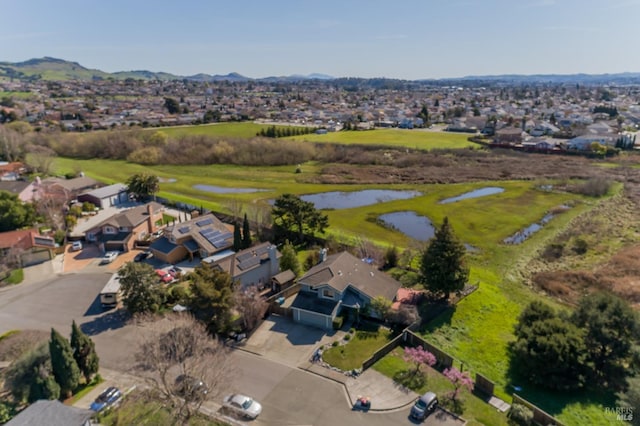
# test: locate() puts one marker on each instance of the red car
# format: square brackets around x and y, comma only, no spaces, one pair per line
[165,277]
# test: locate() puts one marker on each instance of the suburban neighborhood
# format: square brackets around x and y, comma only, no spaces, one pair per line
[203,283]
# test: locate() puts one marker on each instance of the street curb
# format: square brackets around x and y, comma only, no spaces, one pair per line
[349,397]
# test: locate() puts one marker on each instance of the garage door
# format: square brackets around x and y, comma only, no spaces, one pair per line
[33,258]
[311,318]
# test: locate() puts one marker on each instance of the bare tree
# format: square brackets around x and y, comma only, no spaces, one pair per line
[12,144]
[259,213]
[41,158]
[251,305]
[235,207]
[182,363]
[50,205]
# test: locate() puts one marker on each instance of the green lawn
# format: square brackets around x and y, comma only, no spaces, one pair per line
[15,276]
[402,138]
[86,389]
[136,410]
[229,129]
[360,347]
[475,410]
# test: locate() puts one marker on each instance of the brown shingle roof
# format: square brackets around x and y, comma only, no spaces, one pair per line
[343,269]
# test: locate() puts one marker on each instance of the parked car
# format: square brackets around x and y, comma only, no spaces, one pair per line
[143,255]
[109,396]
[109,257]
[165,276]
[175,271]
[76,246]
[191,387]
[242,405]
[424,406]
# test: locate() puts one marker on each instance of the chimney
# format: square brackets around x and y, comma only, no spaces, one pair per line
[274,264]
[323,255]
[152,223]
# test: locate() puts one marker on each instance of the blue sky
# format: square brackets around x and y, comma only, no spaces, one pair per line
[409,39]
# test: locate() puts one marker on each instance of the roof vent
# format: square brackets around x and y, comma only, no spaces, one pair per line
[371,273]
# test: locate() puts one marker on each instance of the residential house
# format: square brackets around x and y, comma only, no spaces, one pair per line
[255,266]
[11,171]
[52,413]
[66,190]
[32,248]
[203,236]
[339,282]
[26,191]
[583,143]
[107,196]
[508,135]
[121,231]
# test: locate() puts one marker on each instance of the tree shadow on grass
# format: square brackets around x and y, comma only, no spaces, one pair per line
[410,379]
[554,401]
[435,315]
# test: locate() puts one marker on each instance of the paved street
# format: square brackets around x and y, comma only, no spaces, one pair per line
[290,396]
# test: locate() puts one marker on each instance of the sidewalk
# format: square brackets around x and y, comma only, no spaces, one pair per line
[385,394]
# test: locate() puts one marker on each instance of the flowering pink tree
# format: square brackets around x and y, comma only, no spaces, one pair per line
[459,379]
[419,356]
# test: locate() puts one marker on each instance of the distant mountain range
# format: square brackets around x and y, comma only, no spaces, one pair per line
[59,69]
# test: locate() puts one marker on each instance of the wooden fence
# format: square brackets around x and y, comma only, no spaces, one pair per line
[380,353]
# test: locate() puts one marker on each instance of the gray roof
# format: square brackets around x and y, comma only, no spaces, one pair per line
[311,302]
[107,191]
[14,186]
[163,245]
[73,185]
[132,217]
[342,270]
[284,276]
[51,413]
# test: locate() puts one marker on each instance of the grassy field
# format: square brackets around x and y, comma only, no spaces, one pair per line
[400,138]
[17,95]
[479,330]
[227,129]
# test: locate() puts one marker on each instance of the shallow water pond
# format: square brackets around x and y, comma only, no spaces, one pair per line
[482,192]
[226,189]
[409,223]
[349,200]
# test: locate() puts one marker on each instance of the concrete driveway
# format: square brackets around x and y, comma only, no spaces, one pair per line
[280,339]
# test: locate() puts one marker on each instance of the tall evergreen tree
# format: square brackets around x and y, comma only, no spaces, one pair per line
[44,385]
[237,237]
[442,268]
[611,327]
[289,259]
[84,352]
[65,369]
[212,296]
[246,233]
[140,290]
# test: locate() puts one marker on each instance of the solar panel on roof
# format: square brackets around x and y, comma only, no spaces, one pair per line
[244,256]
[220,243]
[262,250]
[183,230]
[205,222]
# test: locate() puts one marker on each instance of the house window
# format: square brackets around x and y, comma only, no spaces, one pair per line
[327,293]
[124,229]
[110,230]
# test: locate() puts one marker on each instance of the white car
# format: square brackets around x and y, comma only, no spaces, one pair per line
[76,246]
[242,405]
[109,257]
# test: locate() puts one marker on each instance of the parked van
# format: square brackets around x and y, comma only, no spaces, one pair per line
[110,294]
[424,406]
